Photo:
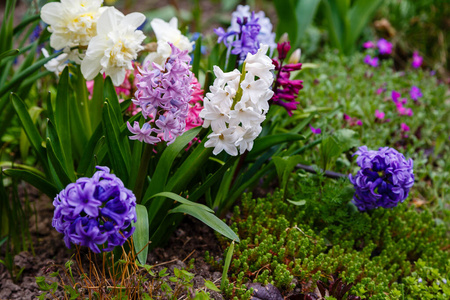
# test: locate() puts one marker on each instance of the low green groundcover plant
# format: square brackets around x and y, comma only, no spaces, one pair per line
[398,253]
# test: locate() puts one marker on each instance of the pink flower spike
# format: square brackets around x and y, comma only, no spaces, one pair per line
[416,60]
[346,117]
[369,44]
[315,130]
[404,127]
[359,123]
[379,114]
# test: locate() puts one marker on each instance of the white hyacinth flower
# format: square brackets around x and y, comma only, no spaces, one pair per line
[72,22]
[167,32]
[237,104]
[116,45]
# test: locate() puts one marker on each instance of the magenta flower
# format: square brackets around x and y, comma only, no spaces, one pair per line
[404,127]
[384,46]
[315,130]
[369,44]
[404,111]
[415,93]
[352,121]
[379,114]
[417,60]
[371,61]
[395,96]
[381,90]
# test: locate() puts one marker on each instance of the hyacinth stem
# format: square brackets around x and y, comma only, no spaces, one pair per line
[327,173]
[142,173]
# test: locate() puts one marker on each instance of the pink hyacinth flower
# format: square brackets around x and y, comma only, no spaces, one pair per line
[416,60]
[379,114]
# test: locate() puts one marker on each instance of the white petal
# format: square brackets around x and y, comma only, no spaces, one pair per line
[59,41]
[134,19]
[108,21]
[51,13]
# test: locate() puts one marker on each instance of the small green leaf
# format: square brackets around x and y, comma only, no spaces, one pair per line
[35,180]
[208,218]
[180,199]
[210,285]
[297,203]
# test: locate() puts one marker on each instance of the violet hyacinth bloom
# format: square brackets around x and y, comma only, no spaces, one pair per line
[285,90]
[246,32]
[163,93]
[384,47]
[96,210]
[384,179]
[415,93]
[416,60]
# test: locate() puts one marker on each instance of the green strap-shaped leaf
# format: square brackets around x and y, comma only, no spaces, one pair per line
[29,128]
[57,165]
[7,53]
[119,162]
[24,143]
[197,56]
[35,180]
[208,218]
[305,12]
[287,19]
[182,200]
[62,120]
[226,265]
[264,143]
[109,92]
[141,234]
[164,165]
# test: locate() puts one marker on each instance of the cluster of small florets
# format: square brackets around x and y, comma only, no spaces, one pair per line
[237,104]
[163,94]
[384,179]
[94,211]
[247,31]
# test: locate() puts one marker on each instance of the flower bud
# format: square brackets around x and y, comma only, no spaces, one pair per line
[284,38]
[295,56]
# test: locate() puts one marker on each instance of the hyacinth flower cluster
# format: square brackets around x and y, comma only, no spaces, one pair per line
[163,94]
[384,179]
[286,90]
[100,39]
[95,211]
[237,104]
[247,31]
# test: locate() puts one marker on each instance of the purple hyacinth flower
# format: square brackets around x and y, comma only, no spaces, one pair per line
[384,179]
[94,211]
[384,46]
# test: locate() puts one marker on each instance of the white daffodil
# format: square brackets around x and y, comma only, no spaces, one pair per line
[56,64]
[72,22]
[117,43]
[167,32]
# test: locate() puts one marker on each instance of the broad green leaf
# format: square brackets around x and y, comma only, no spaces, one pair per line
[62,121]
[287,19]
[24,143]
[266,142]
[141,234]
[227,264]
[25,23]
[56,163]
[96,102]
[119,162]
[180,199]
[35,180]
[305,11]
[29,128]
[208,218]
[109,92]
[159,177]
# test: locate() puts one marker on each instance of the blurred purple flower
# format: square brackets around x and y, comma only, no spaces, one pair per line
[371,61]
[384,46]
[95,210]
[379,114]
[404,127]
[415,93]
[384,179]
[416,60]
[395,96]
[315,130]
[369,44]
